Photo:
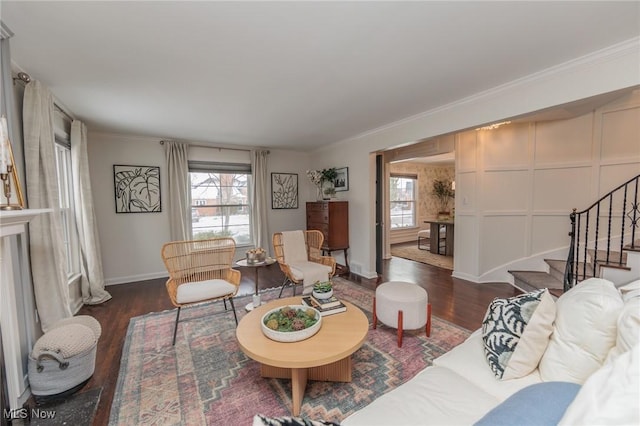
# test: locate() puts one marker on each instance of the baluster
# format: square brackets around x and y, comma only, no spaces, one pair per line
[624,216]
[609,226]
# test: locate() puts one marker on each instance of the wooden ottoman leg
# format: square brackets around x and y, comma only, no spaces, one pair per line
[399,329]
[428,326]
[375,317]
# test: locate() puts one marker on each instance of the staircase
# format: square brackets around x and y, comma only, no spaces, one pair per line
[604,242]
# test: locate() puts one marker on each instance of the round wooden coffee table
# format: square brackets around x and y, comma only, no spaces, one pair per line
[326,356]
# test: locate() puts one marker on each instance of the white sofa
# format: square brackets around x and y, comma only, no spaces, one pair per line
[593,342]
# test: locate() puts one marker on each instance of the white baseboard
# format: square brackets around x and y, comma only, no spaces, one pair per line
[135,278]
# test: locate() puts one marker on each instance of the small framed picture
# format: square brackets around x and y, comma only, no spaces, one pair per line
[341,182]
[137,189]
[284,190]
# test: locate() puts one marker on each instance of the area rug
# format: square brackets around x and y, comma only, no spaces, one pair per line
[206,379]
[424,256]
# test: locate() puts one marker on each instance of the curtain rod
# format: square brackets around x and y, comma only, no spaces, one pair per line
[216,147]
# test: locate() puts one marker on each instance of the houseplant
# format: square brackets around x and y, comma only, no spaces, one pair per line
[320,177]
[444,193]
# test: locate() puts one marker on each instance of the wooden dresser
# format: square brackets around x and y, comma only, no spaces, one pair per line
[332,219]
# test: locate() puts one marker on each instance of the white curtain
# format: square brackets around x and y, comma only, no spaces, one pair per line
[92,280]
[177,154]
[260,198]
[45,231]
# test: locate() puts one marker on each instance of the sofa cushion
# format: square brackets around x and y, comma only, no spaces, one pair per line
[516,332]
[628,333]
[467,360]
[539,404]
[584,332]
[610,395]
[436,396]
[630,290]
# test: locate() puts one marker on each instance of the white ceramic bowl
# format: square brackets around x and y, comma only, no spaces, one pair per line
[320,296]
[291,336]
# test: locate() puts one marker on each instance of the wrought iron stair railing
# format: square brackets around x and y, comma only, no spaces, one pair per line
[601,233]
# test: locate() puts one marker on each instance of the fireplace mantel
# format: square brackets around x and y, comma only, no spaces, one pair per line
[12,263]
[13,222]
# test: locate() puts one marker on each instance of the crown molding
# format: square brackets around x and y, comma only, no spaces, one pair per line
[625,48]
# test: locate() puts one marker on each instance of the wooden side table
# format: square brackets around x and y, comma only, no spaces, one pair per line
[243,262]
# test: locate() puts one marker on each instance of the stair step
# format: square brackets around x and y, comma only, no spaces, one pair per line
[535,280]
[633,247]
[614,257]
[557,267]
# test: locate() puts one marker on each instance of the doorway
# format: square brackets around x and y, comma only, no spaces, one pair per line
[410,205]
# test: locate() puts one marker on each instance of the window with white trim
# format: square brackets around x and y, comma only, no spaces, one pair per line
[67,208]
[220,201]
[402,200]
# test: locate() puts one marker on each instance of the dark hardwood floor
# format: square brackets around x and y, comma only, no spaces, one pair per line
[452,299]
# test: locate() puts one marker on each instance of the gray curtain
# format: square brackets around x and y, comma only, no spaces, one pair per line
[92,280]
[260,198]
[45,231]
[177,155]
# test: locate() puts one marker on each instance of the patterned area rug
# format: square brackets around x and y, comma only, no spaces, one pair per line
[424,256]
[206,379]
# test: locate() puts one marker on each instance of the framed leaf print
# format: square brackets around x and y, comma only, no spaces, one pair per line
[137,189]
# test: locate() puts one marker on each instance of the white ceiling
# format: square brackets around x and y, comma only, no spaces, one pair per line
[291,74]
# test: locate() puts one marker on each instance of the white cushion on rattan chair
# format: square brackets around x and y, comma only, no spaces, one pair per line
[424,233]
[203,290]
[311,270]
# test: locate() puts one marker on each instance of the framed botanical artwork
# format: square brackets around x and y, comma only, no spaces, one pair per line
[284,190]
[137,189]
[341,182]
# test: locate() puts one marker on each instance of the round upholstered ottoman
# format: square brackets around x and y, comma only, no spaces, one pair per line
[402,305]
[63,359]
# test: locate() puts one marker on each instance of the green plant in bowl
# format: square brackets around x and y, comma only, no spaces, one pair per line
[323,287]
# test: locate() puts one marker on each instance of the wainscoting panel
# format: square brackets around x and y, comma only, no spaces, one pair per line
[549,232]
[504,190]
[574,134]
[506,146]
[505,235]
[561,189]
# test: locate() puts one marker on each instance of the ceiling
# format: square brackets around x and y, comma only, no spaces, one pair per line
[291,75]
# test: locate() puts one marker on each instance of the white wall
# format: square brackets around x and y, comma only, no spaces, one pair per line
[605,71]
[517,185]
[131,242]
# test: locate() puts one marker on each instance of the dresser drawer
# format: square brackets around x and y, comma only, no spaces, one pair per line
[317,217]
[317,207]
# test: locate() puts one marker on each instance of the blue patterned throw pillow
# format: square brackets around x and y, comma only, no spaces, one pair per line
[516,331]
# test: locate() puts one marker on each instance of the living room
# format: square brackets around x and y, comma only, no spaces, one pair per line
[575,96]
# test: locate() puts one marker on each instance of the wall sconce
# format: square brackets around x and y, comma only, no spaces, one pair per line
[453,185]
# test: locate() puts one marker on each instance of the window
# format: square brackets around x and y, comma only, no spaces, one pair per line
[67,208]
[402,200]
[220,201]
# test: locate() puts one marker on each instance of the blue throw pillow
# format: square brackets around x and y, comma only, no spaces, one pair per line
[536,405]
